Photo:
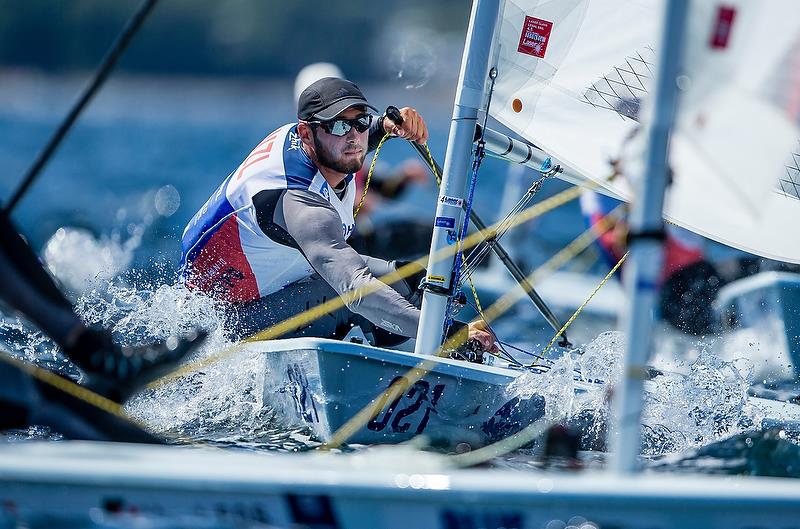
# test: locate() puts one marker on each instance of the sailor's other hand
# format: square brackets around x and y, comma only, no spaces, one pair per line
[479,331]
[412,129]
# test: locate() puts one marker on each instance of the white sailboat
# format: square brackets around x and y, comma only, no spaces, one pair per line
[548,95]
[393,489]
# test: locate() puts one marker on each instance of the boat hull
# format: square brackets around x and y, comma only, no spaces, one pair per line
[322,384]
[118,485]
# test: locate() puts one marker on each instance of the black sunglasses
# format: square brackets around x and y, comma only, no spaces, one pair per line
[340,127]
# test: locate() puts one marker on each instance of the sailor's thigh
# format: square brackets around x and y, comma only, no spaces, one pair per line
[297,298]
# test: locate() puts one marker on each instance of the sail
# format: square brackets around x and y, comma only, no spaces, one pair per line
[574,77]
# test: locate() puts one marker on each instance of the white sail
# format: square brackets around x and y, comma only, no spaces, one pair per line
[572,74]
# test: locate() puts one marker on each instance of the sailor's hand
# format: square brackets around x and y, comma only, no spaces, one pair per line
[412,129]
[479,331]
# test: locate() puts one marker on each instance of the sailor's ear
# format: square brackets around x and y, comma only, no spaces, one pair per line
[305,132]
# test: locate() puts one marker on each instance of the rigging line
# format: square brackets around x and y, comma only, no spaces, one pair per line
[498,249]
[508,356]
[529,353]
[594,292]
[107,64]
[369,174]
[479,253]
[554,263]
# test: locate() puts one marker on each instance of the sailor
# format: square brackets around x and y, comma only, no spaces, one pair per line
[114,371]
[399,237]
[272,239]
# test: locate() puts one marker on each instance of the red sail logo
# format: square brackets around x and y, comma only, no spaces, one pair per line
[535,36]
[721,32]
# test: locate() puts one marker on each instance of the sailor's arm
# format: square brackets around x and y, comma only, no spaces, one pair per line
[317,229]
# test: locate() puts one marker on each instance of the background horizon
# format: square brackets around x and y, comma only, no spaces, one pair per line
[235,38]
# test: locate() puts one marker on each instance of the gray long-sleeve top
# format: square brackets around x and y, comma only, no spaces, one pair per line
[303,220]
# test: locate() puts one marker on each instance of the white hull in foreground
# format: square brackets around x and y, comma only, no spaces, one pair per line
[43,483]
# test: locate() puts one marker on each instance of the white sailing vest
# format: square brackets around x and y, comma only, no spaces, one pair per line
[226,253]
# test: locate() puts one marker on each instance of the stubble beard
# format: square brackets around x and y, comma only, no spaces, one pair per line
[326,158]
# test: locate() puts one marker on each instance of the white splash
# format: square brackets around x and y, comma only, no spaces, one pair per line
[766,346]
[221,397]
[27,343]
[223,394]
[707,402]
[80,260]
[600,359]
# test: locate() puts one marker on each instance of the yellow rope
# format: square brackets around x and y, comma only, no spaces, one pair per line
[89,397]
[369,174]
[475,295]
[580,309]
[67,386]
[433,166]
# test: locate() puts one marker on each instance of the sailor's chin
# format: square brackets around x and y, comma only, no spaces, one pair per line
[353,160]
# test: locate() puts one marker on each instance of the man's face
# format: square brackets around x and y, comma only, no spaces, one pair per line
[344,154]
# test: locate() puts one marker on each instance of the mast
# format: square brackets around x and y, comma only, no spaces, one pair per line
[646,243]
[449,214]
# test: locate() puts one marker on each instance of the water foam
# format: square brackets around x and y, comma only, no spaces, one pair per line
[705,403]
